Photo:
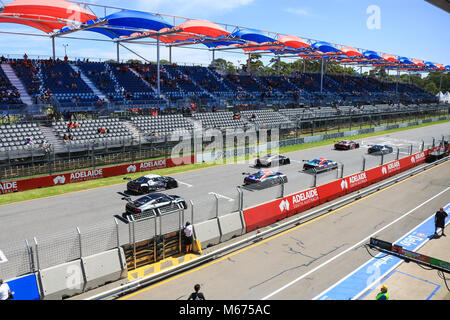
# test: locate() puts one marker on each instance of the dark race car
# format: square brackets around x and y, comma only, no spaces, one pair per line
[270,160]
[151,183]
[155,204]
[266,177]
[346,145]
[320,165]
[380,149]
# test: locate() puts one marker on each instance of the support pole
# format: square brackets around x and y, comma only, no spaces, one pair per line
[53,47]
[118,52]
[248,64]
[279,66]
[170,54]
[158,66]
[213,57]
[321,78]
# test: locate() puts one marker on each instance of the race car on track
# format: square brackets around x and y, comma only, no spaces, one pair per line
[155,203]
[266,177]
[150,183]
[320,165]
[346,145]
[379,148]
[269,160]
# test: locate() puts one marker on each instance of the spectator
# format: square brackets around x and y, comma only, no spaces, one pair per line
[196,295]
[5,291]
[29,141]
[188,236]
[383,294]
[65,138]
[439,221]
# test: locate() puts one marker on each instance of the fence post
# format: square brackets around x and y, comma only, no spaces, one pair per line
[134,245]
[398,154]
[117,231]
[433,143]
[410,149]
[282,187]
[192,211]
[315,179]
[37,254]
[423,145]
[79,242]
[30,256]
[240,196]
[364,164]
[382,158]
[180,228]
[217,205]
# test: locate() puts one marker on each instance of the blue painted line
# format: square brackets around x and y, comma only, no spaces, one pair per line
[370,273]
[409,275]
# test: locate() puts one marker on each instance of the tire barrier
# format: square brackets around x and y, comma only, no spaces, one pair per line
[208,232]
[279,209]
[84,175]
[231,225]
[75,277]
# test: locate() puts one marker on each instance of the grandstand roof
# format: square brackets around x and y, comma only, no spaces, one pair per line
[59,17]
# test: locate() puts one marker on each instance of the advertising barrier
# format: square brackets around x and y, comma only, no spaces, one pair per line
[24,288]
[273,211]
[84,175]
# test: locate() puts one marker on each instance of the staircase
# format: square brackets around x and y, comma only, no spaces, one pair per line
[88,81]
[52,138]
[15,81]
[129,125]
[148,84]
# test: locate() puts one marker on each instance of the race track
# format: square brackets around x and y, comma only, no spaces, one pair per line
[27,219]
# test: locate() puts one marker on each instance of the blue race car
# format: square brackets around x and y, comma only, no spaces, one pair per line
[319,165]
[268,177]
[380,149]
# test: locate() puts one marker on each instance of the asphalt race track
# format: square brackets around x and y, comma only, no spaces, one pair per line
[302,262]
[27,219]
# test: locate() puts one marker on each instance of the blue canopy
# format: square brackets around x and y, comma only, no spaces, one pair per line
[324,47]
[404,60]
[447,67]
[252,35]
[129,19]
[430,65]
[372,55]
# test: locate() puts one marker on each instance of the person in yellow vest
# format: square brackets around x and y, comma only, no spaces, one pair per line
[384,294]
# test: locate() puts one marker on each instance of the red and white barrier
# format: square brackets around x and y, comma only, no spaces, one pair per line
[84,175]
[270,212]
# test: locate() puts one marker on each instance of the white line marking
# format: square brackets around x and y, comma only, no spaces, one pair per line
[221,196]
[351,248]
[186,184]
[3,257]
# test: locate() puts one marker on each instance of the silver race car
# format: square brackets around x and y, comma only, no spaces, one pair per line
[155,204]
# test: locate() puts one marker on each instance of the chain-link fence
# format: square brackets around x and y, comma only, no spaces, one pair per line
[16,259]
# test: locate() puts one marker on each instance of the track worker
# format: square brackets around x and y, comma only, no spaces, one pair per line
[188,236]
[5,291]
[439,220]
[383,294]
[196,295]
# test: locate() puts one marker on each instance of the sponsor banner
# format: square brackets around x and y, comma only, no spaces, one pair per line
[332,190]
[303,201]
[84,175]
[266,214]
[354,182]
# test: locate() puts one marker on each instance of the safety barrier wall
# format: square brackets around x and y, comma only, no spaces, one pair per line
[84,175]
[208,232]
[273,211]
[231,225]
[78,276]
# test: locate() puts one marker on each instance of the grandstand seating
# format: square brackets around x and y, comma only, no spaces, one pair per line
[20,137]
[89,131]
[162,125]
[219,120]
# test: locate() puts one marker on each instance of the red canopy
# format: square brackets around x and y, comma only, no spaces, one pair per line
[390,58]
[351,52]
[203,27]
[45,15]
[293,42]
[418,63]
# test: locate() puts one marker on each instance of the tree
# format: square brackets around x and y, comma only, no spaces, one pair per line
[223,65]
